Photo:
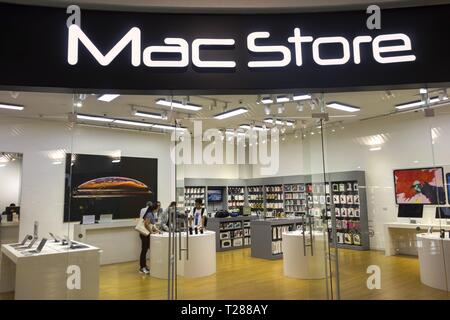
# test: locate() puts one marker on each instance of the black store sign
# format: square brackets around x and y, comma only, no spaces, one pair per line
[147,52]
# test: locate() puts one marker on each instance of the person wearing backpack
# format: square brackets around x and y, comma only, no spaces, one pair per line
[197,219]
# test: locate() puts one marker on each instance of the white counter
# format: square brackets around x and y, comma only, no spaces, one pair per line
[9,232]
[44,276]
[400,238]
[434,260]
[201,260]
[117,239]
[300,264]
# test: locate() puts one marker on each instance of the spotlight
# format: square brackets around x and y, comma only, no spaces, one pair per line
[267,110]
[300,107]
[281,109]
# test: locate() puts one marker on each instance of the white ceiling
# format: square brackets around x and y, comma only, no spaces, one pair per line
[228,5]
[57,107]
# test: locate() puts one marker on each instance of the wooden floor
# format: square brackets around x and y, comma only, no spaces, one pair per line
[240,276]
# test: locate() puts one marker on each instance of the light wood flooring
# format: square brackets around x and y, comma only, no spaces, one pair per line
[239,276]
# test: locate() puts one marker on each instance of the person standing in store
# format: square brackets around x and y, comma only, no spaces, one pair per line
[160,210]
[144,209]
[150,224]
[196,219]
[163,221]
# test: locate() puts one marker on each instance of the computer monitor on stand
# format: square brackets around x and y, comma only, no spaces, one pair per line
[411,211]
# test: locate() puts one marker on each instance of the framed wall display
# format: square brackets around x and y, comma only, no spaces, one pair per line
[97,184]
[419,186]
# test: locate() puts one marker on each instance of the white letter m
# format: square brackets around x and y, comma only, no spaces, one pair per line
[76,34]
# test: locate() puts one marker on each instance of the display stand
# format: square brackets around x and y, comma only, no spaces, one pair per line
[304,261]
[199,260]
[232,232]
[434,257]
[266,236]
[159,261]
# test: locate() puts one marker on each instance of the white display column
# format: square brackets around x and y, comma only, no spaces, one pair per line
[200,258]
[298,262]
[434,260]
[159,250]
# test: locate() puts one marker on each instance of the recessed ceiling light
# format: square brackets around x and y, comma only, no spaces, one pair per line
[301,97]
[134,123]
[279,122]
[267,100]
[375,149]
[93,118]
[11,106]
[343,107]
[178,105]
[108,97]
[248,127]
[282,99]
[418,103]
[167,127]
[148,115]
[230,113]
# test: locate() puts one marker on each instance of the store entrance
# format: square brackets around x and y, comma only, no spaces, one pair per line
[265,231]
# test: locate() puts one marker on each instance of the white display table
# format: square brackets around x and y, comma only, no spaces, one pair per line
[300,264]
[44,276]
[159,249]
[201,261]
[400,238]
[434,260]
[117,239]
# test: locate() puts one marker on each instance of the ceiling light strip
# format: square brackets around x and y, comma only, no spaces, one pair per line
[231,113]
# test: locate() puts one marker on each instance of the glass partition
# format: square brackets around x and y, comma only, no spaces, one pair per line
[390,145]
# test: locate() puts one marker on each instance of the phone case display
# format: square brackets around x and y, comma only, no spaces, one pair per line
[236,198]
[236,232]
[192,193]
[256,198]
[295,199]
[274,199]
[347,212]
[318,199]
[277,232]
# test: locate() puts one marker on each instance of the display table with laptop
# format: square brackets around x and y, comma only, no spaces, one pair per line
[117,239]
[48,270]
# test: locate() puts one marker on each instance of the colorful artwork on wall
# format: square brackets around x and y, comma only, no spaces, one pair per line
[419,186]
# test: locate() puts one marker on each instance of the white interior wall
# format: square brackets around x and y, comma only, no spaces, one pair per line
[41,142]
[10,177]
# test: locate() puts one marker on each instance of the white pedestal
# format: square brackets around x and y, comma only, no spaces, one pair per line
[201,260]
[300,264]
[434,260]
[159,250]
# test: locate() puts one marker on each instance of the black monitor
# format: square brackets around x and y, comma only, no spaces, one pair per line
[442,212]
[410,210]
[215,195]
